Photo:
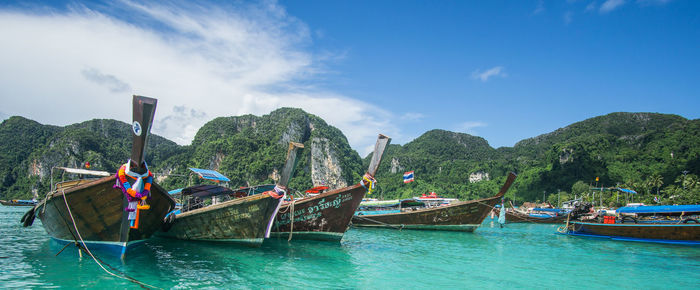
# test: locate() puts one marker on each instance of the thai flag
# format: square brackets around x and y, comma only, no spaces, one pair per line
[408,177]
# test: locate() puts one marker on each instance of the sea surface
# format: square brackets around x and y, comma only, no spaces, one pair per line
[517,256]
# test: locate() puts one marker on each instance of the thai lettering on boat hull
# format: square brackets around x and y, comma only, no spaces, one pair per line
[315,211]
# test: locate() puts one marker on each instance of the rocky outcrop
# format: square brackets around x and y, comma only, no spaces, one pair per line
[325,168]
[566,156]
[296,132]
[216,161]
[479,176]
[395,165]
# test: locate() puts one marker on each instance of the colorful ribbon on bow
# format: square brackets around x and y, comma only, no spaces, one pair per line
[369,183]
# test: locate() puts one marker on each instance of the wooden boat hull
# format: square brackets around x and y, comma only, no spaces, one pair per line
[242,220]
[524,218]
[322,217]
[688,234]
[463,216]
[98,211]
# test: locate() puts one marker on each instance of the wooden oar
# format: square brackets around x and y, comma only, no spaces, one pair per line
[382,142]
[144,109]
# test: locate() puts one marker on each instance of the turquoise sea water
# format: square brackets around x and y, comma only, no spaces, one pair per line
[518,256]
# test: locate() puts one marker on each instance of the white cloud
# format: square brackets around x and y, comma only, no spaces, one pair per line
[540,7]
[484,76]
[610,5]
[590,7]
[200,62]
[468,127]
[114,84]
[412,116]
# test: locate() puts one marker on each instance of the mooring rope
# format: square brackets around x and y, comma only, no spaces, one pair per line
[64,247]
[291,218]
[85,248]
[376,221]
[565,229]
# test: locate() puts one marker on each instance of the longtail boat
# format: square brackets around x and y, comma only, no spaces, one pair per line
[99,212]
[536,215]
[326,216]
[18,202]
[242,216]
[458,216]
[657,224]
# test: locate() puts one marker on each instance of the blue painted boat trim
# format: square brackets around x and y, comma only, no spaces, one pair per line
[640,225]
[660,209]
[618,238]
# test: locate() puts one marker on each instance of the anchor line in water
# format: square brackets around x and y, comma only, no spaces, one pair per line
[100,262]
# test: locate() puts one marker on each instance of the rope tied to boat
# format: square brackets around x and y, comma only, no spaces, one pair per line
[369,183]
[85,248]
[564,229]
[291,218]
[378,222]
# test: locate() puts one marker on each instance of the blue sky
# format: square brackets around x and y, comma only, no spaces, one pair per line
[502,70]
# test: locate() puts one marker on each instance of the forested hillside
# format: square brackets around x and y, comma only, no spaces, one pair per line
[251,150]
[657,155]
[654,154]
[248,149]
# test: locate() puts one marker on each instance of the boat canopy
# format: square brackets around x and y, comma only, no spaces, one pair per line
[175,191]
[210,175]
[206,190]
[660,209]
[411,202]
[84,171]
[625,190]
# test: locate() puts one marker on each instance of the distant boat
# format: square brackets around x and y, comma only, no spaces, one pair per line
[659,224]
[457,216]
[220,214]
[93,213]
[18,202]
[536,215]
[326,215]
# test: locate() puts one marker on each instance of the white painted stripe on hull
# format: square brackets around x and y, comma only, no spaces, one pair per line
[121,247]
[106,243]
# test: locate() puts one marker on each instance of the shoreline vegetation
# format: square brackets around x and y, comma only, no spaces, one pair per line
[657,155]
